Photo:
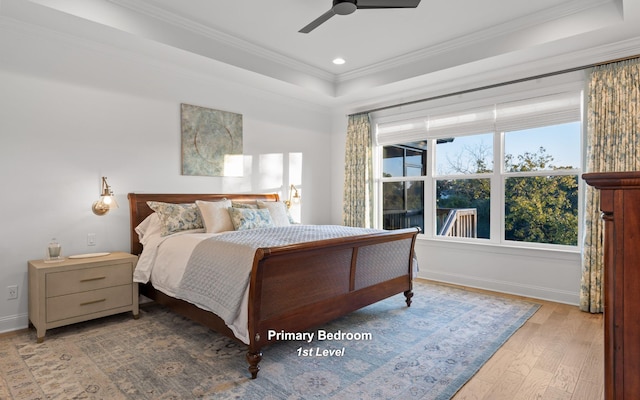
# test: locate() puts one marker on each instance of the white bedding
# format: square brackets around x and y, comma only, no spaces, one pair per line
[163,262]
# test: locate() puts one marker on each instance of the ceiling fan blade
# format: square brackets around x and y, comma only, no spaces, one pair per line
[318,21]
[371,4]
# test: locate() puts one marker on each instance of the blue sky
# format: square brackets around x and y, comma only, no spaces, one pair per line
[560,141]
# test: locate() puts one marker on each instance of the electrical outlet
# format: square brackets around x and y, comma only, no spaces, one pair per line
[12,292]
[91,239]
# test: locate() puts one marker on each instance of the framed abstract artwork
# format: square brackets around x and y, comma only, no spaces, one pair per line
[208,138]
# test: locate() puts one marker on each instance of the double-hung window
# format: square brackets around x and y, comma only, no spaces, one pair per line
[502,172]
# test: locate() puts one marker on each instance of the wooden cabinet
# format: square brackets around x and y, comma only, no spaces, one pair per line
[620,206]
[81,289]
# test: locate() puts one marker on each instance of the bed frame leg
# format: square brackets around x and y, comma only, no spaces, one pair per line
[408,295]
[254,359]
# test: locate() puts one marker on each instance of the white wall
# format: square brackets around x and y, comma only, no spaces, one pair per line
[72,111]
[536,273]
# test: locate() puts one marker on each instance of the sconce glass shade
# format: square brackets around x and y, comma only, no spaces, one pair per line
[106,202]
[294,196]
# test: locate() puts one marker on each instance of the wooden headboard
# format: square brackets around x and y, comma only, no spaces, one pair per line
[139,210]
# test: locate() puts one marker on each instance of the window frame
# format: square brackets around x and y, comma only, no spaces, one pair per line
[523,174]
[497,178]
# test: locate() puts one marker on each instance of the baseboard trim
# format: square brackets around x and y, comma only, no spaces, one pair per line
[535,292]
[14,323]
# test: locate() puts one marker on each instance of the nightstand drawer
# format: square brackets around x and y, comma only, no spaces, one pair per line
[82,280]
[73,305]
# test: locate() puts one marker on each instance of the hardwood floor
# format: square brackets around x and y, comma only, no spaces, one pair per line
[557,355]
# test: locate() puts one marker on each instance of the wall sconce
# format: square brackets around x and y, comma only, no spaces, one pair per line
[293,195]
[106,201]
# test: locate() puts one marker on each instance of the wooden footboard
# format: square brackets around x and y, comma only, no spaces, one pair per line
[294,288]
[297,287]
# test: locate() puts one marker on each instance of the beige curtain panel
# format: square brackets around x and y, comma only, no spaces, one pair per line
[358,174]
[613,144]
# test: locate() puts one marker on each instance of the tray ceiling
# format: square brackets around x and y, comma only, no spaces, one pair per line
[382,48]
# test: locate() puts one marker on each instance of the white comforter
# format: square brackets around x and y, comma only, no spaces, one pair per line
[163,263]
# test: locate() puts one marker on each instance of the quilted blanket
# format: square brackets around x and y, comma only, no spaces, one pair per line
[217,274]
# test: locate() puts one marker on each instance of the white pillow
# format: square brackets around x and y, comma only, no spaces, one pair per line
[278,210]
[149,227]
[215,215]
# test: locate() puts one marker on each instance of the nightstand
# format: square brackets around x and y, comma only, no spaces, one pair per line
[80,289]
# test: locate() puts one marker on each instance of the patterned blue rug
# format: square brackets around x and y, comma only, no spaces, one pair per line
[384,351]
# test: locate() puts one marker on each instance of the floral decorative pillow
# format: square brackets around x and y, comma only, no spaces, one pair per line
[250,218]
[238,204]
[177,217]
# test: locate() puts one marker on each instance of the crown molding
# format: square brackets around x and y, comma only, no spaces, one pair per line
[159,60]
[143,7]
[579,59]
[601,54]
[526,22]
[513,65]
[453,45]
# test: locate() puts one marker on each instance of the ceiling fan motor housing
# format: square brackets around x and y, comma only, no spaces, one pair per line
[344,7]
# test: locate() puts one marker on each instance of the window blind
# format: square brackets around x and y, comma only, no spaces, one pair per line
[517,115]
[401,131]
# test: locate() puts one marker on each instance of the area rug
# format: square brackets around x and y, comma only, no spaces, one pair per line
[384,351]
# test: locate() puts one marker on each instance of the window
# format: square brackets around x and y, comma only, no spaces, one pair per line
[504,173]
[464,166]
[541,184]
[403,194]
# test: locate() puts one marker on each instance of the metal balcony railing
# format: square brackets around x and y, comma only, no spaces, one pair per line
[403,219]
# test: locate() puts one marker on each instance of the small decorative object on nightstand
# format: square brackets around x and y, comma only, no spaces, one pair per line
[80,289]
[54,251]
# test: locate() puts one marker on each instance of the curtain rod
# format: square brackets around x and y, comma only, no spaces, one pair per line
[496,85]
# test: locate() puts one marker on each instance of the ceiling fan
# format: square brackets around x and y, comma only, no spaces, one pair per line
[345,7]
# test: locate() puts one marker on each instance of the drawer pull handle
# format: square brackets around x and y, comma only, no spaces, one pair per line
[93,279]
[92,302]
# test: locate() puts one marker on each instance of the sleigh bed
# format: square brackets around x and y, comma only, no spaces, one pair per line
[295,287]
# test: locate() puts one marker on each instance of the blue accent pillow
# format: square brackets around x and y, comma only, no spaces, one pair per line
[250,218]
[177,217]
